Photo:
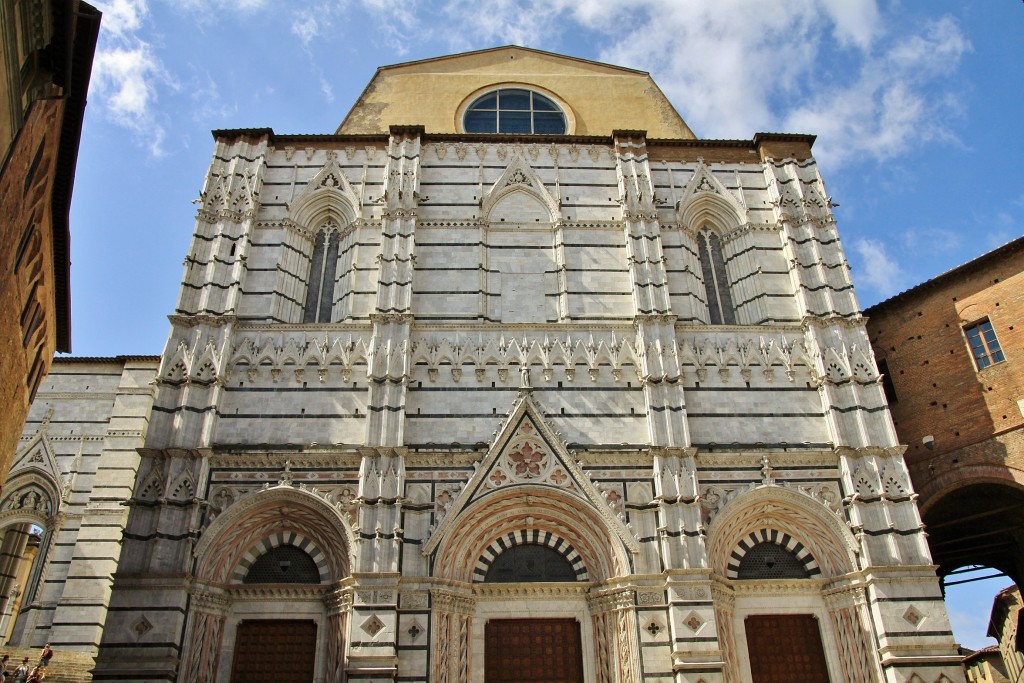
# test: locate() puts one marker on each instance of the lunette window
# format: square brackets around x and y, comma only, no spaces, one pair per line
[514,110]
[984,344]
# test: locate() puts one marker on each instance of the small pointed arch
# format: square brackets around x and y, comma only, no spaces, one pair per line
[184,488]
[283,557]
[152,488]
[176,369]
[519,195]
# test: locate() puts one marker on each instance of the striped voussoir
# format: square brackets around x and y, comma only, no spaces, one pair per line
[777,537]
[278,539]
[529,537]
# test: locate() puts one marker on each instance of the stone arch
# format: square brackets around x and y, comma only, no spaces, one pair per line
[32,492]
[268,514]
[525,537]
[963,475]
[276,540]
[529,511]
[775,537]
[520,184]
[523,204]
[985,535]
[328,198]
[821,533]
[710,210]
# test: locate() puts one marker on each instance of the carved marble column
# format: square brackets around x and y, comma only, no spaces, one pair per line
[725,606]
[847,608]
[339,603]
[451,650]
[203,637]
[615,638]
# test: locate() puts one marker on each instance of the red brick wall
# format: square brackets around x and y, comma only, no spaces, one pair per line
[27,318]
[940,392]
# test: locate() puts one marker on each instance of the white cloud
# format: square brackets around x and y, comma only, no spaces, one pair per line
[877,269]
[830,67]
[326,89]
[305,26]
[126,73]
[122,17]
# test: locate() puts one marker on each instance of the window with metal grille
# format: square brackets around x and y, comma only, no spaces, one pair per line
[984,344]
[283,564]
[767,560]
[530,563]
[320,285]
[716,281]
[514,110]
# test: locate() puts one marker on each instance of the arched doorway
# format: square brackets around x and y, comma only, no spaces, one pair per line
[528,559]
[779,557]
[272,592]
[28,522]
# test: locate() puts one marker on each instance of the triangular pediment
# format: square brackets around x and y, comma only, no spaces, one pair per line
[327,198]
[519,177]
[37,457]
[527,451]
[706,199]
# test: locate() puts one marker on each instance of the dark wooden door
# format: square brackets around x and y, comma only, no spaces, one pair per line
[533,651]
[785,648]
[280,651]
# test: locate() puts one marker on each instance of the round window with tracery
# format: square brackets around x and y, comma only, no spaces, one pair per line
[514,110]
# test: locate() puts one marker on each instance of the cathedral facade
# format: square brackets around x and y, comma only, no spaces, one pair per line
[514,375]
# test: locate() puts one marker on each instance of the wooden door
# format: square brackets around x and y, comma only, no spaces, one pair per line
[785,648]
[533,651]
[269,650]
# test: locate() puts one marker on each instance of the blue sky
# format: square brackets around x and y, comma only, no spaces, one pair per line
[917,108]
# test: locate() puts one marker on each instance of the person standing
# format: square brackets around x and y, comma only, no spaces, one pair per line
[46,656]
[21,673]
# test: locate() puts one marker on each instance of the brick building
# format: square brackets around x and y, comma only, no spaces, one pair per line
[952,349]
[47,50]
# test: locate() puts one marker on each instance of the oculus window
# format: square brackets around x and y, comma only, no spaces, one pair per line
[984,344]
[514,110]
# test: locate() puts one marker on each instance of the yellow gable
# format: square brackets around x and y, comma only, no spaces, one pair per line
[597,98]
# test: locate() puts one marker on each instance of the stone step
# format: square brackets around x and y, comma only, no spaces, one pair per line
[65,667]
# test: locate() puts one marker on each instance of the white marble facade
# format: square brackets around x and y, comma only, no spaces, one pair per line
[516,345]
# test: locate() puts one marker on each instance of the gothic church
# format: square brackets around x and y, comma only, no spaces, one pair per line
[513,378]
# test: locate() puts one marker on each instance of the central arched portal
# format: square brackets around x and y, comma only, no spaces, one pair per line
[525,568]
